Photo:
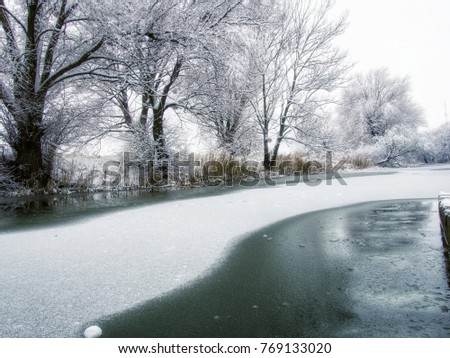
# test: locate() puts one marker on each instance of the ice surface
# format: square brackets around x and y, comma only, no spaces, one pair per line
[55,282]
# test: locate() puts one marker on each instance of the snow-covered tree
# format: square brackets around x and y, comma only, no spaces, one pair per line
[296,65]
[379,114]
[221,105]
[44,46]
[375,103]
[162,43]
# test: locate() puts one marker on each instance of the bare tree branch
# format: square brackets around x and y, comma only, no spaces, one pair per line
[60,22]
[58,76]
[6,25]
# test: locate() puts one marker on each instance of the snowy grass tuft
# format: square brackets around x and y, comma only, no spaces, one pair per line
[358,161]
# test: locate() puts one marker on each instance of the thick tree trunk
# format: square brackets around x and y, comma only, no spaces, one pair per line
[28,145]
[29,156]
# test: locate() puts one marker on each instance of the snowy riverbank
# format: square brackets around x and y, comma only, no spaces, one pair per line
[54,280]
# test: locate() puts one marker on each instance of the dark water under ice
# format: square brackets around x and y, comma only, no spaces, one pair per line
[371,270]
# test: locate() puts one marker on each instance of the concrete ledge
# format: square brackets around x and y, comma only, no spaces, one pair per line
[444,214]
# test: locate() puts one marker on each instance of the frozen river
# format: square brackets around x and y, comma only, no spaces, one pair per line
[57,279]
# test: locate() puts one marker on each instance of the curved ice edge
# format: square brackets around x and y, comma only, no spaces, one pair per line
[210,271]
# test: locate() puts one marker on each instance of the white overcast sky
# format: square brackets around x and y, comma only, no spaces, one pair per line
[410,37]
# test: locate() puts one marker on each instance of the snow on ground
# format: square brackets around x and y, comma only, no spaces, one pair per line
[55,282]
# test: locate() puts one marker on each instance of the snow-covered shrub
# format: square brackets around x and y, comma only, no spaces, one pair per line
[7,182]
[399,146]
[436,145]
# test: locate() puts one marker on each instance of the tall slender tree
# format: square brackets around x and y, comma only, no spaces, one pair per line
[296,64]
